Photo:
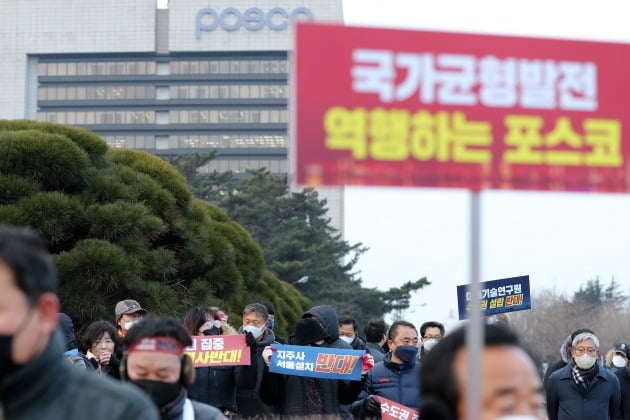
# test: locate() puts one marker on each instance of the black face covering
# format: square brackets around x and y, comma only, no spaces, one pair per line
[162,393]
[7,365]
[212,331]
[6,360]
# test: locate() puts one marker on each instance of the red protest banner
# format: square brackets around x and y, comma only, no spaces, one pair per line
[391,410]
[219,350]
[415,108]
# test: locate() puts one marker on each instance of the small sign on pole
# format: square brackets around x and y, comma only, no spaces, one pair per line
[497,296]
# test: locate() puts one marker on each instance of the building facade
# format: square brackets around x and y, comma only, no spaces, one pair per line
[164,76]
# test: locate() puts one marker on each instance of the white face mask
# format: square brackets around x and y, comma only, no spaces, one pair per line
[585,361]
[256,331]
[619,361]
[216,323]
[347,339]
[429,344]
[130,324]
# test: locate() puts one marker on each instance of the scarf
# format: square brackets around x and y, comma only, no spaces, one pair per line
[583,378]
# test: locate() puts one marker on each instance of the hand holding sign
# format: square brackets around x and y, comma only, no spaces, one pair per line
[266,354]
[368,363]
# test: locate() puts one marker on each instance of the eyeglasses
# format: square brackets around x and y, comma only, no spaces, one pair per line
[581,350]
[432,337]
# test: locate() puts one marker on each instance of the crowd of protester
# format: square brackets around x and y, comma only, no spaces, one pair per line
[136,367]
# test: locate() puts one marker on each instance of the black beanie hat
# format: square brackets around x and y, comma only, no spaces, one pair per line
[308,331]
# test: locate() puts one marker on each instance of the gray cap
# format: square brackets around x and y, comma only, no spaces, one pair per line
[128,306]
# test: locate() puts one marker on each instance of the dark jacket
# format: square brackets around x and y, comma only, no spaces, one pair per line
[288,392]
[112,369]
[565,400]
[376,351]
[327,316]
[217,385]
[358,343]
[50,388]
[396,382]
[248,399]
[624,381]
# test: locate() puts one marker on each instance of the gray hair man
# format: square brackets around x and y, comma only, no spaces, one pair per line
[255,321]
[584,389]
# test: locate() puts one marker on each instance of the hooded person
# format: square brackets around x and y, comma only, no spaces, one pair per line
[326,316]
[306,396]
[72,353]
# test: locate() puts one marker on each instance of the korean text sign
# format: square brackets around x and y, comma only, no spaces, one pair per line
[415,108]
[317,362]
[391,410]
[219,350]
[497,296]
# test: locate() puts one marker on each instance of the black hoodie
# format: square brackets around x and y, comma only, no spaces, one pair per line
[327,316]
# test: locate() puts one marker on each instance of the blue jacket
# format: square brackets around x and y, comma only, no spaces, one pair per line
[602,400]
[396,382]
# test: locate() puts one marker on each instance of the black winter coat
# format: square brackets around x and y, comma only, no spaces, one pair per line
[52,389]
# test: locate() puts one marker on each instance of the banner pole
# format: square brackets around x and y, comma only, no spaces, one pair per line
[474,331]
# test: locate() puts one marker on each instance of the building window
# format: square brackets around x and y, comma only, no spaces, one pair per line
[161,142]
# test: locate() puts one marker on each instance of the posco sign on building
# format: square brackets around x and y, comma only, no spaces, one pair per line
[252,19]
[224,26]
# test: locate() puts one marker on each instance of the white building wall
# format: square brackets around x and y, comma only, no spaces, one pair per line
[66,26]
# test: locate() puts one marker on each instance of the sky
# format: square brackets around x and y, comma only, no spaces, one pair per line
[560,240]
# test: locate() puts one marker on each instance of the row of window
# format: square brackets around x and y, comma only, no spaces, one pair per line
[229,92]
[82,93]
[131,142]
[229,67]
[70,93]
[241,165]
[131,68]
[230,141]
[98,117]
[96,68]
[227,116]
[242,116]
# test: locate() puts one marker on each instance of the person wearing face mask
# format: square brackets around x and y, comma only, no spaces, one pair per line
[256,322]
[155,363]
[306,396]
[349,332]
[128,313]
[618,359]
[217,385]
[35,380]
[623,374]
[397,377]
[431,333]
[583,389]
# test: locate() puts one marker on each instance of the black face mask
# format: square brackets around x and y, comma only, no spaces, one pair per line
[162,393]
[212,331]
[7,365]
[6,360]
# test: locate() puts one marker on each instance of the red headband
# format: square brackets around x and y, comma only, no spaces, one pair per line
[158,344]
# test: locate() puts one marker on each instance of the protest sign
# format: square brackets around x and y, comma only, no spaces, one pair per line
[317,362]
[219,350]
[497,296]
